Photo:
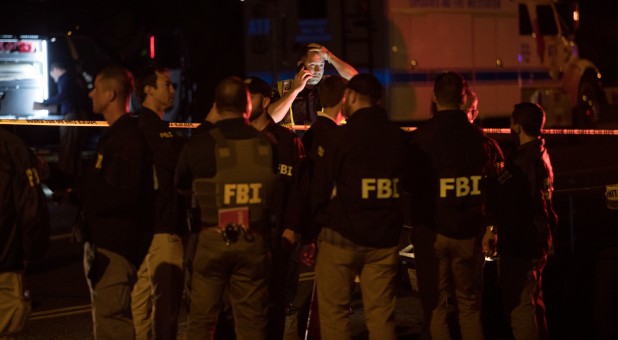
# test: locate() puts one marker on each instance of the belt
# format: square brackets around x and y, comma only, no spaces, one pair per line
[214,228]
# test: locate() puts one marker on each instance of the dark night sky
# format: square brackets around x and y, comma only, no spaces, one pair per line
[213,30]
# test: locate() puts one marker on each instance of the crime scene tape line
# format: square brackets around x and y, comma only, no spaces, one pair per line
[598,132]
[84,123]
[587,132]
[177,125]
[59,312]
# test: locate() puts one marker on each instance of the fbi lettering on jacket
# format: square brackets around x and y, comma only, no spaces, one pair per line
[380,188]
[460,186]
[285,170]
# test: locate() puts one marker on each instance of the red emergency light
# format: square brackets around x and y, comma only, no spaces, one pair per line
[152,47]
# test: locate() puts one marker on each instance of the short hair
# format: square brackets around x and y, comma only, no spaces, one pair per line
[231,95]
[147,77]
[122,78]
[331,90]
[61,65]
[449,89]
[530,116]
[257,85]
[304,52]
[366,85]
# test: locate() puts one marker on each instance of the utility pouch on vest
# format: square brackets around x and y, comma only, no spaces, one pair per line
[284,87]
[239,192]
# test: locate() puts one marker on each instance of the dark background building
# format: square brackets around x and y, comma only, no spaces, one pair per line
[204,38]
[211,39]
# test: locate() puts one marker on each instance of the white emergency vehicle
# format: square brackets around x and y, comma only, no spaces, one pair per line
[508,50]
[24,69]
[23,74]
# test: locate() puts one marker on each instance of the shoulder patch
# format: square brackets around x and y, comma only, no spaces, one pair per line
[33,177]
[99,162]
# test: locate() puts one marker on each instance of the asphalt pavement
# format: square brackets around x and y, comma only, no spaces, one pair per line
[61,303]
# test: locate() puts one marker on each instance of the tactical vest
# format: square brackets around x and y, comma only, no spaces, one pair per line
[244,178]
[304,108]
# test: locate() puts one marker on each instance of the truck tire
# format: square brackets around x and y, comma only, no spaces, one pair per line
[590,99]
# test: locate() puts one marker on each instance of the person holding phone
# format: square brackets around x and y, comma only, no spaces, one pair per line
[289,152]
[296,101]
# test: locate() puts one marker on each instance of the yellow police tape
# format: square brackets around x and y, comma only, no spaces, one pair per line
[100,123]
[601,132]
[84,123]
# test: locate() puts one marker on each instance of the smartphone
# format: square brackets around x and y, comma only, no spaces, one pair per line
[300,67]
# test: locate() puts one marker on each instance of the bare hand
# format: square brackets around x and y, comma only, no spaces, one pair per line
[40,106]
[323,51]
[489,243]
[301,78]
[290,235]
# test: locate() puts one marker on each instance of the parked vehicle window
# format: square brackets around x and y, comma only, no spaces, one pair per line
[525,26]
[547,21]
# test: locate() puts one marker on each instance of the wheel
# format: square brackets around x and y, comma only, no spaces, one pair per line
[590,98]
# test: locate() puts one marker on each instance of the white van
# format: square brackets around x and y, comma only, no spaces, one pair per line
[508,50]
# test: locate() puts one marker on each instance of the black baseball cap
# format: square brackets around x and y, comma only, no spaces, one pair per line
[258,85]
[366,84]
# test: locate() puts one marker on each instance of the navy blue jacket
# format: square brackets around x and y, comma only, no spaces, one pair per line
[118,192]
[24,218]
[521,199]
[69,96]
[165,146]
[365,164]
[451,160]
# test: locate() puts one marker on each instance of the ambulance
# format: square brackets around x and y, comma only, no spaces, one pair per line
[508,50]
